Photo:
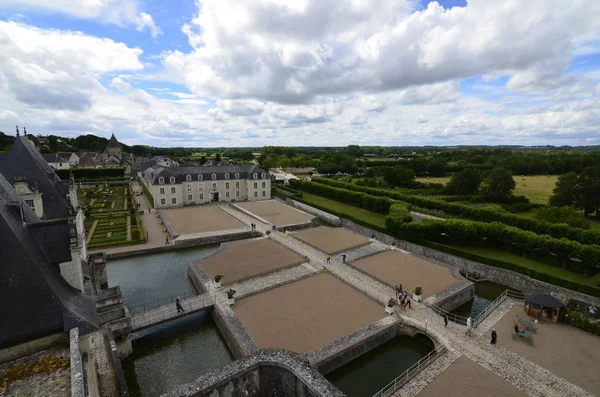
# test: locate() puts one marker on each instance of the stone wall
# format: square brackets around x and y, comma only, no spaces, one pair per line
[457,298]
[216,239]
[327,217]
[77,380]
[268,372]
[33,346]
[237,338]
[167,224]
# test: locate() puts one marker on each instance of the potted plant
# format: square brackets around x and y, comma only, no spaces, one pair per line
[372,237]
[418,295]
[389,308]
[268,233]
[230,296]
[218,279]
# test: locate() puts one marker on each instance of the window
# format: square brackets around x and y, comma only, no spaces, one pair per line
[214,176]
[163,202]
[190,197]
[237,185]
[30,203]
[264,193]
[214,185]
[255,194]
[161,180]
[162,190]
[255,176]
[227,194]
[264,185]
[173,200]
[173,190]
[237,175]
[201,196]
[227,175]
[190,188]
[200,177]
[237,194]
[227,185]
[263,175]
[188,178]
[172,179]
[256,185]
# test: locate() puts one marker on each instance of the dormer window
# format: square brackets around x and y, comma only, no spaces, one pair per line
[199,177]
[263,175]
[172,179]
[214,176]
[188,178]
[237,175]
[161,180]
[227,176]
[255,175]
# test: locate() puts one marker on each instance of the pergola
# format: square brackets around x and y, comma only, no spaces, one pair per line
[543,306]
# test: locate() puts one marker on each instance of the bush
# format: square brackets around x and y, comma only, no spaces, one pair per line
[392,302]
[148,194]
[580,320]
[564,214]
[91,173]
[398,215]
[218,278]
[230,293]
[419,291]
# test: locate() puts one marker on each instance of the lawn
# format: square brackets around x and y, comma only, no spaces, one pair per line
[537,188]
[356,212]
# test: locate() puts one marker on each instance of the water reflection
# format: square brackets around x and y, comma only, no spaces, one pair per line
[485,293]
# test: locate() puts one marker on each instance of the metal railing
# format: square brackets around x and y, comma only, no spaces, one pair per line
[497,302]
[169,311]
[156,303]
[451,316]
[401,380]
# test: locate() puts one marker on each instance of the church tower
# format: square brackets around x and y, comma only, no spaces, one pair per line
[113,148]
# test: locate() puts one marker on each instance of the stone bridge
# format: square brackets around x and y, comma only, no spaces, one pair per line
[168,312]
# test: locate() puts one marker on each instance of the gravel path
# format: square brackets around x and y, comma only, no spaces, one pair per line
[200,219]
[331,240]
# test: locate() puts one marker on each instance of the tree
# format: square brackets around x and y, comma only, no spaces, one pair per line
[400,176]
[565,190]
[354,151]
[497,185]
[564,214]
[464,183]
[588,190]
[218,157]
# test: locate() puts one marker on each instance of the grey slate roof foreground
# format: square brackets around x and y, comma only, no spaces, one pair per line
[34,298]
[180,173]
[23,159]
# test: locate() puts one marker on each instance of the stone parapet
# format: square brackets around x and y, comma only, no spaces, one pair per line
[77,380]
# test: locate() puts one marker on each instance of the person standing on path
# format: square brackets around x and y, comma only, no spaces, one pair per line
[179,305]
[469,326]
[167,240]
[344,258]
[494,336]
[445,320]
[328,259]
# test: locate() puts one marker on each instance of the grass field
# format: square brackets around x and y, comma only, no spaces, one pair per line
[537,188]
[358,213]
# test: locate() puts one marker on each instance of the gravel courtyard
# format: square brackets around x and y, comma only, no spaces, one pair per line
[275,212]
[241,260]
[394,267]
[306,314]
[331,240]
[565,350]
[201,219]
[468,379]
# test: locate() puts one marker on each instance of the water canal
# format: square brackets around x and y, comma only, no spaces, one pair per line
[171,354]
[485,293]
[369,373]
[146,279]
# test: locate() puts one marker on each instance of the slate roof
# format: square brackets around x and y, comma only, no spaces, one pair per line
[180,173]
[113,143]
[23,159]
[54,158]
[90,159]
[34,298]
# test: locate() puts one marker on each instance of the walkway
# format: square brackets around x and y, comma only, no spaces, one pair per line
[524,374]
[169,312]
[154,230]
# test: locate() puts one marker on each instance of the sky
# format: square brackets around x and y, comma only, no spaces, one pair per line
[223,73]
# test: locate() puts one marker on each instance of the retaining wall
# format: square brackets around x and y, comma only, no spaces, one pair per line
[327,217]
[77,381]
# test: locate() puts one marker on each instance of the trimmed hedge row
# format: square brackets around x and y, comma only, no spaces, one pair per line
[557,230]
[584,289]
[399,214]
[464,231]
[90,173]
[148,194]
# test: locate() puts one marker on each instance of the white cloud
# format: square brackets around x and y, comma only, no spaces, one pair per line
[119,12]
[291,54]
[144,21]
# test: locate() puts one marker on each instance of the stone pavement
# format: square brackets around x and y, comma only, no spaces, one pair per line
[169,311]
[522,373]
[156,235]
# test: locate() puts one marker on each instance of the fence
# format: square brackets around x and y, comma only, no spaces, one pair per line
[492,306]
[401,380]
[153,304]
[451,316]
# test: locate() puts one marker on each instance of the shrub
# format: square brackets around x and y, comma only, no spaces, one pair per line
[392,302]
[398,215]
[218,278]
[419,291]
[565,214]
[230,293]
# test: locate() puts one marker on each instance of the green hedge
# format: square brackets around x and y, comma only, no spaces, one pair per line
[474,213]
[148,194]
[584,289]
[399,214]
[91,173]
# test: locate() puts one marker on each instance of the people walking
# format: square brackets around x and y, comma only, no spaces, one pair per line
[445,320]
[344,258]
[167,240]
[179,305]
[494,336]
[408,300]
[469,326]
[328,259]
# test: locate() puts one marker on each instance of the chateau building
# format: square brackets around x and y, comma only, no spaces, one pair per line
[182,186]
